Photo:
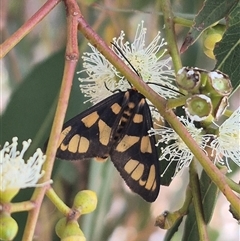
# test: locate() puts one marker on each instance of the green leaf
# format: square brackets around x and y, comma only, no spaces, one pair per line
[30,111]
[209,194]
[211,12]
[173,231]
[227,51]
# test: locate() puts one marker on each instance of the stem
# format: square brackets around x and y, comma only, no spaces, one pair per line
[18,207]
[173,103]
[233,185]
[188,199]
[168,221]
[6,46]
[71,58]
[183,21]
[58,203]
[170,33]
[197,203]
[160,103]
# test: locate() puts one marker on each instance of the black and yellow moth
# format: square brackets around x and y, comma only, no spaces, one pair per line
[117,127]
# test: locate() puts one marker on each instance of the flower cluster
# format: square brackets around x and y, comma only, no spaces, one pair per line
[176,150]
[103,78]
[227,144]
[15,172]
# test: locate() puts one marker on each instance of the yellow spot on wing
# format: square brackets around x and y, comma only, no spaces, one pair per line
[116,108]
[142,102]
[130,165]
[63,135]
[151,178]
[131,105]
[137,173]
[141,182]
[73,144]
[145,145]
[127,142]
[90,119]
[83,145]
[154,185]
[104,132]
[138,118]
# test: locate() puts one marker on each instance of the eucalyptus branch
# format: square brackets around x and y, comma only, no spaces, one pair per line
[71,59]
[27,27]
[170,33]
[197,203]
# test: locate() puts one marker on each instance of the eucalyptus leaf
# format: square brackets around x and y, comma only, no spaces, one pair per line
[209,195]
[211,12]
[227,51]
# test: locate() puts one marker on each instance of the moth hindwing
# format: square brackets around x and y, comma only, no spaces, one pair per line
[116,127]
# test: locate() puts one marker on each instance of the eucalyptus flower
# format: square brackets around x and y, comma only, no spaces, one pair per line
[175,149]
[226,146]
[16,173]
[148,60]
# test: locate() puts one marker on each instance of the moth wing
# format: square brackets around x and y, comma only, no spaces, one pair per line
[88,134]
[135,155]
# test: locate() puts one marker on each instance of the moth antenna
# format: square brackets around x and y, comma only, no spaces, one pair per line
[112,91]
[121,52]
[152,83]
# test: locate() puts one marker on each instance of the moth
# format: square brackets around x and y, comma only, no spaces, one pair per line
[116,128]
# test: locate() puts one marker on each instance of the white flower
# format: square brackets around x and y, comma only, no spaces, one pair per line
[176,150]
[101,74]
[15,172]
[227,145]
[148,61]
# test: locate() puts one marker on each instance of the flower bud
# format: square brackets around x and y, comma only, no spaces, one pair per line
[218,84]
[85,201]
[60,226]
[68,230]
[8,227]
[188,79]
[198,107]
[7,195]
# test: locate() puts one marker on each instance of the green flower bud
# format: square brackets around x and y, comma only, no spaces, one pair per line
[7,195]
[85,201]
[218,84]
[188,79]
[60,226]
[72,232]
[198,107]
[69,230]
[74,238]
[8,227]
